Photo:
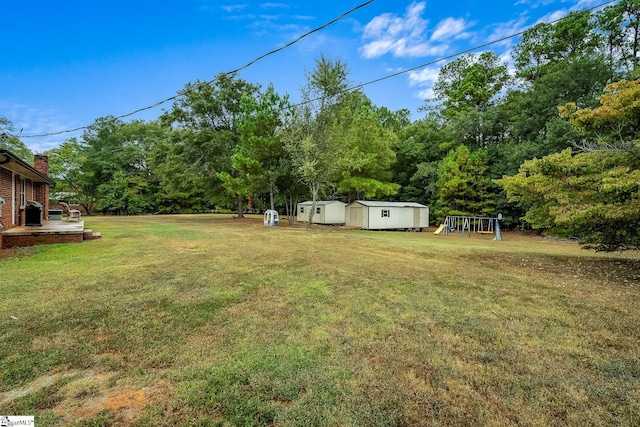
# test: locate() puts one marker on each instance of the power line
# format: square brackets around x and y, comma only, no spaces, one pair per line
[358,86]
[454,55]
[172,98]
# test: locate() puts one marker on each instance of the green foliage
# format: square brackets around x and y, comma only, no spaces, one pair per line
[594,196]
[208,117]
[12,143]
[615,124]
[257,158]
[620,25]
[470,83]
[417,154]
[462,188]
[365,145]
[547,44]
[579,80]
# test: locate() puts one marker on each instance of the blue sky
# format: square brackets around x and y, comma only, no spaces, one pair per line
[64,64]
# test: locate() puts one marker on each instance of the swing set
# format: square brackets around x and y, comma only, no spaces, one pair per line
[476,224]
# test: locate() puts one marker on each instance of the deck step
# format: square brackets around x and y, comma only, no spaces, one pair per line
[91,235]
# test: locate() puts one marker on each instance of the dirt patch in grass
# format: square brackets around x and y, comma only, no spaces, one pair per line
[33,387]
[83,395]
[126,404]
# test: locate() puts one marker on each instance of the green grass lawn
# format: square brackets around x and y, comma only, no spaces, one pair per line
[212,321]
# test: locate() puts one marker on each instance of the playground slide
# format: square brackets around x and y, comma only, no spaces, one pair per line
[439,230]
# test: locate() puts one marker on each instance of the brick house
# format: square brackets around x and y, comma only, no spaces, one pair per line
[21,183]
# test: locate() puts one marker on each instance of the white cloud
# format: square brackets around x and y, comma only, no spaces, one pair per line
[424,80]
[232,7]
[274,6]
[505,30]
[407,36]
[553,16]
[424,76]
[425,94]
[450,28]
[585,4]
[535,3]
[36,121]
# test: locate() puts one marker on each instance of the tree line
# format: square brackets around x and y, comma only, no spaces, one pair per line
[552,145]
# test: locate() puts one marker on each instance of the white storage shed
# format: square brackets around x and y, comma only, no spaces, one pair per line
[370,215]
[327,212]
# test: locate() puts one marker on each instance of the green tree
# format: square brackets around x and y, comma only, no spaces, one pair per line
[181,185]
[314,153]
[593,196]
[614,126]
[258,155]
[207,116]
[620,25]
[462,188]
[115,166]
[471,82]
[66,168]
[533,111]
[364,167]
[12,143]
[546,44]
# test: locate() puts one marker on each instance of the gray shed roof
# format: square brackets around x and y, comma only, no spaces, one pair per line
[320,202]
[370,203]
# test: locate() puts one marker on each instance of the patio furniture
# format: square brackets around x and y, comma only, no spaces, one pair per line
[71,213]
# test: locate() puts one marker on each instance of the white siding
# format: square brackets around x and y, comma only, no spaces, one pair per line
[369,215]
[331,212]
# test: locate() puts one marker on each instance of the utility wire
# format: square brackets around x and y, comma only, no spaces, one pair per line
[172,98]
[358,86]
[444,58]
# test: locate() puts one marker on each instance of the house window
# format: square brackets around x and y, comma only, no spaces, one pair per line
[386,213]
[23,193]
[301,209]
[318,210]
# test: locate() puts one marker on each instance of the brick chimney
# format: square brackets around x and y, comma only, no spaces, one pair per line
[41,189]
[41,163]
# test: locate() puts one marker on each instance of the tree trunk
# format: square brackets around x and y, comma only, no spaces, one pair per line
[314,193]
[240,205]
[271,191]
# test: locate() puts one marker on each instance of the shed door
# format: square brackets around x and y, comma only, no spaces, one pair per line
[416,217]
[355,217]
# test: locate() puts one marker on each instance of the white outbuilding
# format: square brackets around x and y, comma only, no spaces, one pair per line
[370,215]
[327,212]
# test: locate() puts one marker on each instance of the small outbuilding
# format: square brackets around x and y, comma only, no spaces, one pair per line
[371,215]
[327,212]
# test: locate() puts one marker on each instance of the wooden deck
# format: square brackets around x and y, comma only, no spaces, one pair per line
[47,227]
[48,232]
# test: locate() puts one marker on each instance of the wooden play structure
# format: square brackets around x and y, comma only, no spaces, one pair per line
[470,224]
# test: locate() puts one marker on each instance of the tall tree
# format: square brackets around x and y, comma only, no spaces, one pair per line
[471,82]
[594,195]
[366,159]
[462,188]
[418,153]
[545,44]
[115,169]
[66,168]
[258,155]
[207,114]
[315,155]
[620,26]
[181,185]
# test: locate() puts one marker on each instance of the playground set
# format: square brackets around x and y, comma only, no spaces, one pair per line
[470,224]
